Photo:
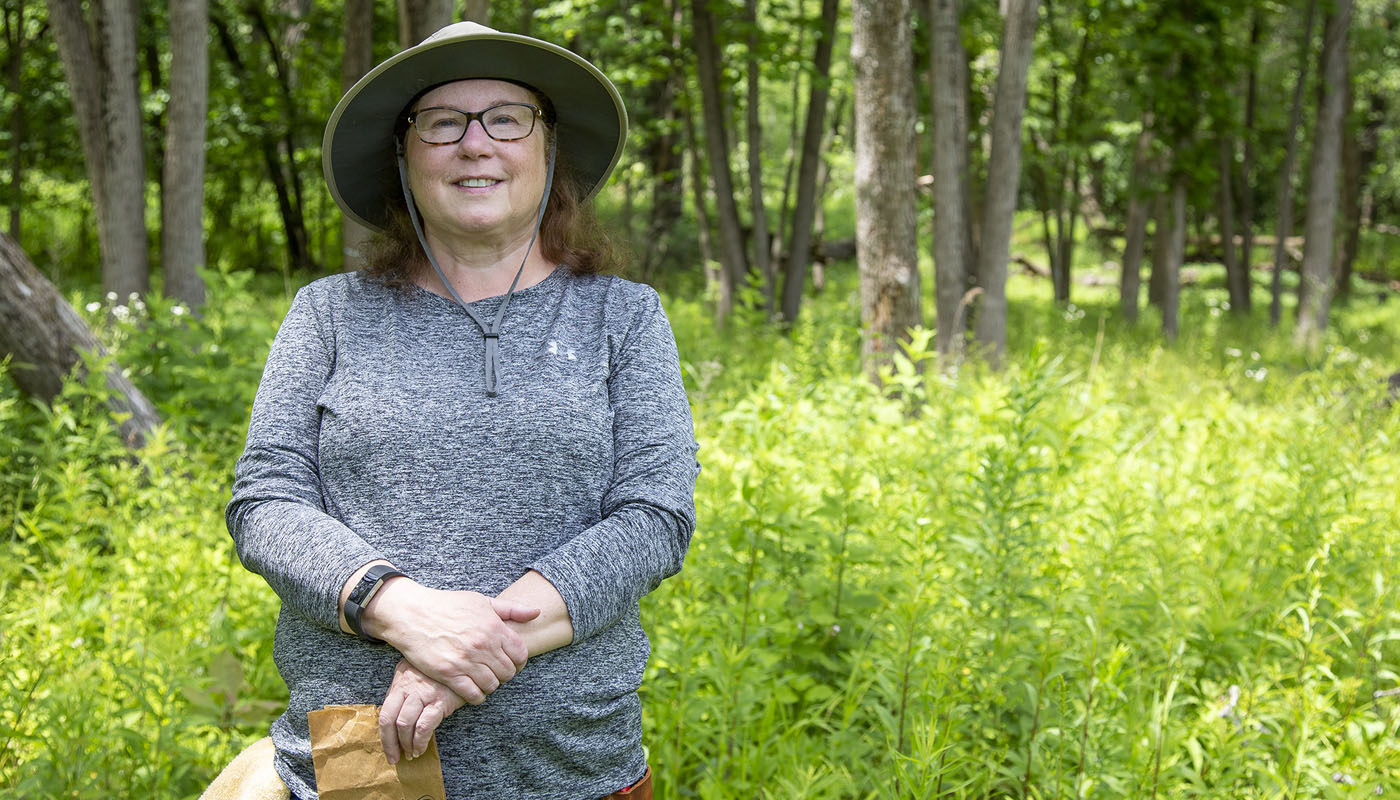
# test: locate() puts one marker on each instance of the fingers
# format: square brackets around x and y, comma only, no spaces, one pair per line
[423,731]
[511,611]
[388,717]
[406,723]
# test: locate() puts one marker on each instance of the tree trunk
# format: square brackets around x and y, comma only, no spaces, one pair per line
[1130,285]
[182,209]
[1003,176]
[815,127]
[664,153]
[951,259]
[1161,249]
[100,64]
[419,19]
[1237,282]
[1246,182]
[886,224]
[762,260]
[357,60]
[702,212]
[1176,250]
[14,71]
[477,11]
[1319,226]
[1285,178]
[731,237]
[46,339]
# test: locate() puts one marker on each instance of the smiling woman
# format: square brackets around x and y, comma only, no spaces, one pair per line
[467,464]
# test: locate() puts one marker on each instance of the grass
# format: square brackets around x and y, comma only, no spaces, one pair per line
[1117,569]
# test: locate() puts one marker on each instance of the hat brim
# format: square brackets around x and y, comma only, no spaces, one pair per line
[358,155]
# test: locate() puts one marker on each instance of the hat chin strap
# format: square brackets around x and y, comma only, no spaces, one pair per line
[491,332]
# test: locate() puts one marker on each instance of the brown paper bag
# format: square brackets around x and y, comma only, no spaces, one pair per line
[350,763]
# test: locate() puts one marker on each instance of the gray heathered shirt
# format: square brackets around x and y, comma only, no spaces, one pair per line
[372,437]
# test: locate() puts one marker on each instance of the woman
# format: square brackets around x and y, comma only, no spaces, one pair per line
[466,464]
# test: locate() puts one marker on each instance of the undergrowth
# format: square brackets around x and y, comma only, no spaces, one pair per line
[1116,569]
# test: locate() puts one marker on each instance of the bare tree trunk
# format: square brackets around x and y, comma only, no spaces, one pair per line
[182,209]
[358,59]
[702,212]
[1176,251]
[418,19]
[761,257]
[477,11]
[14,71]
[1246,183]
[47,339]
[1358,154]
[1130,285]
[1237,283]
[951,257]
[101,72]
[1161,249]
[731,237]
[800,245]
[779,241]
[664,152]
[1320,224]
[1003,176]
[1285,178]
[886,224]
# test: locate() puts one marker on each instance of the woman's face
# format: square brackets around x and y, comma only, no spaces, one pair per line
[477,185]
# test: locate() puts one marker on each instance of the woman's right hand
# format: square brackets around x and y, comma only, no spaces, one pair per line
[457,638]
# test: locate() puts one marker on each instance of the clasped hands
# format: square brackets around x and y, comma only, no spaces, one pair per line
[457,648]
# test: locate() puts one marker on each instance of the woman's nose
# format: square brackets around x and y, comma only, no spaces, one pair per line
[474,140]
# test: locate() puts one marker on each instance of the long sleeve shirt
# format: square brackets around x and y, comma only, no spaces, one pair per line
[372,437]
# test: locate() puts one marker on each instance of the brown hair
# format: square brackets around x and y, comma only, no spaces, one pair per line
[570,236]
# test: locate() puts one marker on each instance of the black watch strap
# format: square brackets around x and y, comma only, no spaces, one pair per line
[363,592]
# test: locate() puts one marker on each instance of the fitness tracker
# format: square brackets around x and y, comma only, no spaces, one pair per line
[365,591]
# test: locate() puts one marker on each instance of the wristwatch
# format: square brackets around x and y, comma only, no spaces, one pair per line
[363,592]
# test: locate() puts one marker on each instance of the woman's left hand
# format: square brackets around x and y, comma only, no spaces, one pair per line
[412,710]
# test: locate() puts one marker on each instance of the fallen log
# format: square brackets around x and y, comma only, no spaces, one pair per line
[46,339]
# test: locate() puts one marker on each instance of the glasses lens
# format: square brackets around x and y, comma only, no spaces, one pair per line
[440,125]
[509,121]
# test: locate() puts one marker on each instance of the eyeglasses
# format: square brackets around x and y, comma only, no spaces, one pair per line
[504,123]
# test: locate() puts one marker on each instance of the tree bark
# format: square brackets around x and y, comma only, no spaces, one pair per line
[100,65]
[731,237]
[1285,178]
[1176,251]
[1237,282]
[1246,182]
[47,338]
[1161,249]
[477,11]
[182,209]
[14,71]
[803,214]
[702,212]
[418,19]
[664,152]
[1003,177]
[1130,285]
[762,260]
[951,257]
[886,224]
[1319,227]
[357,60]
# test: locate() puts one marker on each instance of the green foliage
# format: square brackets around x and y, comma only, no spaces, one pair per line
[1116,570]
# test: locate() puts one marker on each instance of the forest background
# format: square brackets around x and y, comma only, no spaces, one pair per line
[976,521]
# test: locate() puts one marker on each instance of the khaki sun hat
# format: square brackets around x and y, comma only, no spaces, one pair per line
[357,153]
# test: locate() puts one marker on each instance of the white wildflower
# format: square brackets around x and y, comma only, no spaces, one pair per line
[93,307]
[177,310]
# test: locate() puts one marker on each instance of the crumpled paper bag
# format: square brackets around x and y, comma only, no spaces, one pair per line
[350,763]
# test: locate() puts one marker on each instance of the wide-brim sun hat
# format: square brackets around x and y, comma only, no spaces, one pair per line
[358,151]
